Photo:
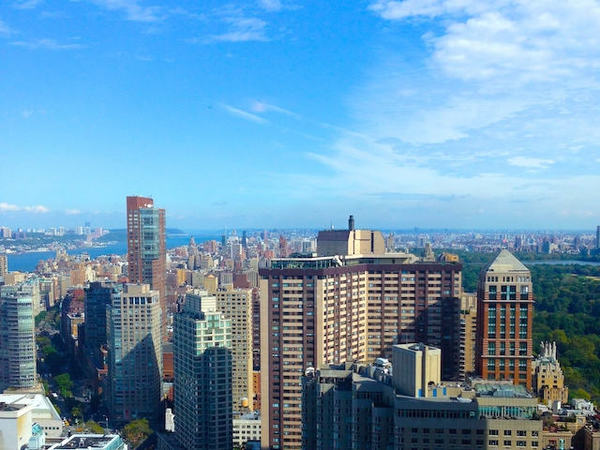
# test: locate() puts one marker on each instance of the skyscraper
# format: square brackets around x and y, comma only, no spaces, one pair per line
[504,321]
[135,357]
[3,265]
[17,337]
[146,248]
[236,306]
[202,363]
[598,237]
[98,298]
[340,308]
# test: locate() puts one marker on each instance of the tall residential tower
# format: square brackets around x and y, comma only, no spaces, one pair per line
[343,308]
[17,337]
[202,363]
[135,357]
[146,248]
[504,321]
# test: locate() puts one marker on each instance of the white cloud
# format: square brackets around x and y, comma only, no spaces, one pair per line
[242,29]
[133,10]
[47,44]
[530,163]
[244,114]
[270,5]
[262,107]
[26,4]
[4,28]
[72,212]
[8,207]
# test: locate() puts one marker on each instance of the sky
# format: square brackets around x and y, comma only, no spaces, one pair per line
[286,113]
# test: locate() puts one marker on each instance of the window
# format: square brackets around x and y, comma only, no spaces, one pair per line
[493,442]
[507,432]
[521,443]
[507,443]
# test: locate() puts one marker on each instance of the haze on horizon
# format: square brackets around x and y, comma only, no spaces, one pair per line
[279,113]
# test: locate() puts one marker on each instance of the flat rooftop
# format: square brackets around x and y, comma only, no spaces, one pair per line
[88,441]
[501,390]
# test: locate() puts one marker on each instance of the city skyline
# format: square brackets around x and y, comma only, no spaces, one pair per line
[467,115]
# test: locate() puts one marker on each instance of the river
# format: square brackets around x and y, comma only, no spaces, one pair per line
[26,262]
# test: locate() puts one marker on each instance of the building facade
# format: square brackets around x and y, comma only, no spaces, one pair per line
[330,310]
[135,355]
[17,337]
[203,375]
[3,265]
[504,321]
[146,247]
[548,377]
[98,298]
[363,407]
[236,306]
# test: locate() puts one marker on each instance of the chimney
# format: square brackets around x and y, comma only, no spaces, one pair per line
[351,223]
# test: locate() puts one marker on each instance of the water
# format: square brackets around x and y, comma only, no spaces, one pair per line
[561,262]
[26,262]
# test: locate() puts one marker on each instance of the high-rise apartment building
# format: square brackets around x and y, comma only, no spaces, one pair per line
[98,298]
[146,247]
[135,358]
[504,321]
[3,265]
[236,306]
[203,384]
[17,337]
[336,309]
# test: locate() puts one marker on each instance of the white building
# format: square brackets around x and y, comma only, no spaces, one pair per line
[246,428]
[42,412]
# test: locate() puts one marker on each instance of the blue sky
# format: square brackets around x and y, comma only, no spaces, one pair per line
[277,113]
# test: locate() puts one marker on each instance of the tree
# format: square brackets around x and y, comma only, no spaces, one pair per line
[137,431]
[64,383]
[94,427]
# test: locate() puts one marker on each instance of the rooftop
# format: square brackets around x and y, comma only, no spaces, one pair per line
[501,390]
[506,262]
[89,441]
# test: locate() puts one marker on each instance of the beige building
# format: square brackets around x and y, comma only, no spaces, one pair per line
[548,378]
[236,305]
[14,277]
[3,265]
[211,283]
[329,310]
[420,365]
[468,318]
[352,406]
[135,354]
[350,242]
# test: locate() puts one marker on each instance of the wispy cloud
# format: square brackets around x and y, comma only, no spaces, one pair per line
[258,106]
[72,212]
[26,4]
[244,114]
[530,163]
[491,108]
[47,44]
[4,28]
[242,29]
[8,207]
[270,5]
[134,10]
